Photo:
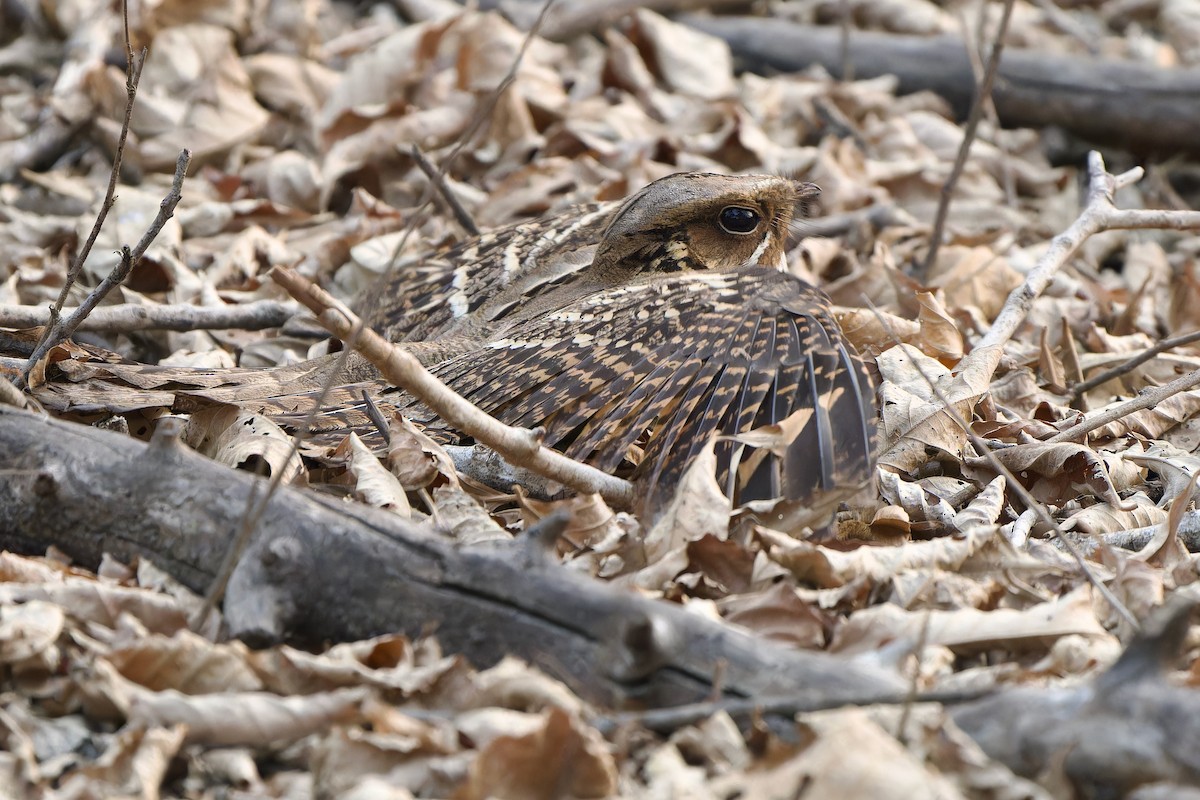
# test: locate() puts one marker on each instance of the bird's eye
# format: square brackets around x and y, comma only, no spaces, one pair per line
[739,220]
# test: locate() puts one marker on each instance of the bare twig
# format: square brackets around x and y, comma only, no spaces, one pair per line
[982,94]
[1125,367]
[519,446]
[133,75]
[1098,214]
[126,318]
[845,15]
[62,329]
[1147,398]
[668,720]
[438,179]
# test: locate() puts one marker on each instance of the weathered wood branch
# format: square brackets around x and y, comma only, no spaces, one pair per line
[1123,103]
[321,570]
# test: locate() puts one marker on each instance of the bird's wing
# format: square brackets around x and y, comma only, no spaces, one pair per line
[424,300]
[664,364]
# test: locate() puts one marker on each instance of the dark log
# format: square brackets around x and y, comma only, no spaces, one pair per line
[1134,106]
[319,570]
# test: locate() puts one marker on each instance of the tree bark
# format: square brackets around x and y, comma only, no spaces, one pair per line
[320,570]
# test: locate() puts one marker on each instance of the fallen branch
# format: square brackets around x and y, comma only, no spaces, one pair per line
[1088,96]
[518,446]
[319,570]
[253,316]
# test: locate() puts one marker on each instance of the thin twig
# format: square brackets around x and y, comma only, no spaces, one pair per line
[133,76]
[518,446]
[668,720]
[438,179]
[1098,214]
[63,329]
[125,318]
[1147,398]
[1125,367]
[960,161]
[844,18]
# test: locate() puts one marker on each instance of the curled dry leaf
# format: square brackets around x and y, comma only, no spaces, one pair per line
[985,508]
[373,483]
[1057,472]
[185,662]
[1151,422]
[686,60]
[913,416]
[926,512]
[134,765]
[1105,518]
[974,276]
[30,631]
[195,94]
[564,757]
[939,337]
[228,719]
[414,458]
[777,613]
[101,603]
[875,331]
[969,630]
[699,508]
[242,439]
[390,663]
[846,754]
[827,567]
[591,518]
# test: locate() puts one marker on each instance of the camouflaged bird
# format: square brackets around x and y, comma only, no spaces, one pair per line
[631,333]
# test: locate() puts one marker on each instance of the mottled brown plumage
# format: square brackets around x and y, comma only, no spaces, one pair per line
[631,333]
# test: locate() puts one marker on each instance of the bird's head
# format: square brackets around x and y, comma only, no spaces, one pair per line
[702,221]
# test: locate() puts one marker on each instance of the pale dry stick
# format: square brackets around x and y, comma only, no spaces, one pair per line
[257,315]
[1147,398]
[62,329]
[133,76]
[519,446]
[1014,484]
[461,215]
[256,505]
[1125,367]
[1098,214]
[10,395]
[982,94]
